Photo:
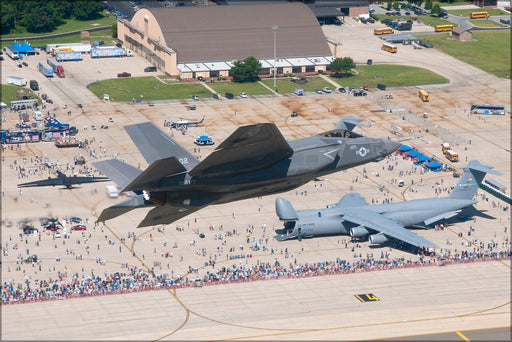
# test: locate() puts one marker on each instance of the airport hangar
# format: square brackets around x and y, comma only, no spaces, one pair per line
[193,42]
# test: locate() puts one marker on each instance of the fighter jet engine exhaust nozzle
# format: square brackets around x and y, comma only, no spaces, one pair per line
[154,197]
[378,239]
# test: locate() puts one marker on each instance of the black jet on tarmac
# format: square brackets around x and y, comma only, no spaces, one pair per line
[254,161]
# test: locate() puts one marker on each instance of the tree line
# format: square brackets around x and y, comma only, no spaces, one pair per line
[45,16]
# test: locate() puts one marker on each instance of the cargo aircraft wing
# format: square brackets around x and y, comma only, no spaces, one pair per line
[248,149]
[389,228]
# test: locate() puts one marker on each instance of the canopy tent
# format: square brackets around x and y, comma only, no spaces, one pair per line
[24,48]
[434,166]
[422,159]
[414,154]
[405,148]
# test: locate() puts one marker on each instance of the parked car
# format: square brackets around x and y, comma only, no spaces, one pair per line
[25,64]
[243,95]
[229,96]
[150,69]
[365,87]
[76,219]
[80,105]
[124,74]
[29,230]
[215,96]
[79,227]
[318,91]
[342,90]
[195,97]
[326,90]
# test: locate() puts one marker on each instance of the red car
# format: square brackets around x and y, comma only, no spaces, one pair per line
[124,74]
[79,227]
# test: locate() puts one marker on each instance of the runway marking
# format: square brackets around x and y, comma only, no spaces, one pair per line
[463,337]
[367,297]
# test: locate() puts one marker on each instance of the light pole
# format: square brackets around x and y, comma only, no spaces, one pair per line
[274,28]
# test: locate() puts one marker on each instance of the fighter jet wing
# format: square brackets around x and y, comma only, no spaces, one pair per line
[58,181]
[249,148]
[80,180]
[165,214]
[379,223]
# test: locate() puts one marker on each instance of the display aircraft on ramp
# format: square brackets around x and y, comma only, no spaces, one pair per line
[184,124]
[254,161]
[382,222]
[62,179]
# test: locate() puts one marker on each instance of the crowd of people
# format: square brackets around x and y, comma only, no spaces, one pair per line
[140,279]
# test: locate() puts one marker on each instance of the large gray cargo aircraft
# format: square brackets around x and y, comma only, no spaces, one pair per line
[254,161]
[382,222]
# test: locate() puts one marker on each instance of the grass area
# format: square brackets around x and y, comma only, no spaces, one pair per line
[105,35]
[467,12]
[285,84]
[427,19]
[485,23]
[251,88]
[126,89]
[450,3]
[9,93]
[489,50]
[391,76]
[434,21]
[68,26]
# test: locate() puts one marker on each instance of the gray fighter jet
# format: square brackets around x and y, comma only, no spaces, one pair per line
[254,161]
[62,179]
[382,222]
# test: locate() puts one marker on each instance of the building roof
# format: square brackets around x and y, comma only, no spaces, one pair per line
[458,30]
[220,33]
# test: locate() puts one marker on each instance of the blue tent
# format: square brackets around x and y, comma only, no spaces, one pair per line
[422,159]
[415,153]
[434,166]
[405,148]
[24,48]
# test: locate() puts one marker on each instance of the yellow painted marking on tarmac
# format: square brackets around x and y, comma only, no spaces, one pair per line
[463,337]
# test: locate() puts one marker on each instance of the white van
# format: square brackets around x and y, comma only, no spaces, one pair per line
[106,97]
[112,191]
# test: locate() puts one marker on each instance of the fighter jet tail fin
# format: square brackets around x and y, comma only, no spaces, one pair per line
[154,173]
[348,123]
[154,145]
[285,211]
[474,174]
[119,172]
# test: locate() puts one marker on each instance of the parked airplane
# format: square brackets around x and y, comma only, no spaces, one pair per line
[62,179]
[186,124]
[382,222]
[254,161]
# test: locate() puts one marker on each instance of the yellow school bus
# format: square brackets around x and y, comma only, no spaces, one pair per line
[442,28]
[389,48]
[445,147]
[385,30]
[424,96]
[452,156]
[475,15]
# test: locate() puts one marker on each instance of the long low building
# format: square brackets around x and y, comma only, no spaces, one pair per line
[191,42]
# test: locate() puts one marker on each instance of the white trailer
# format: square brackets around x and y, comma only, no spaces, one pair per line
[76,47]
[19,81]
